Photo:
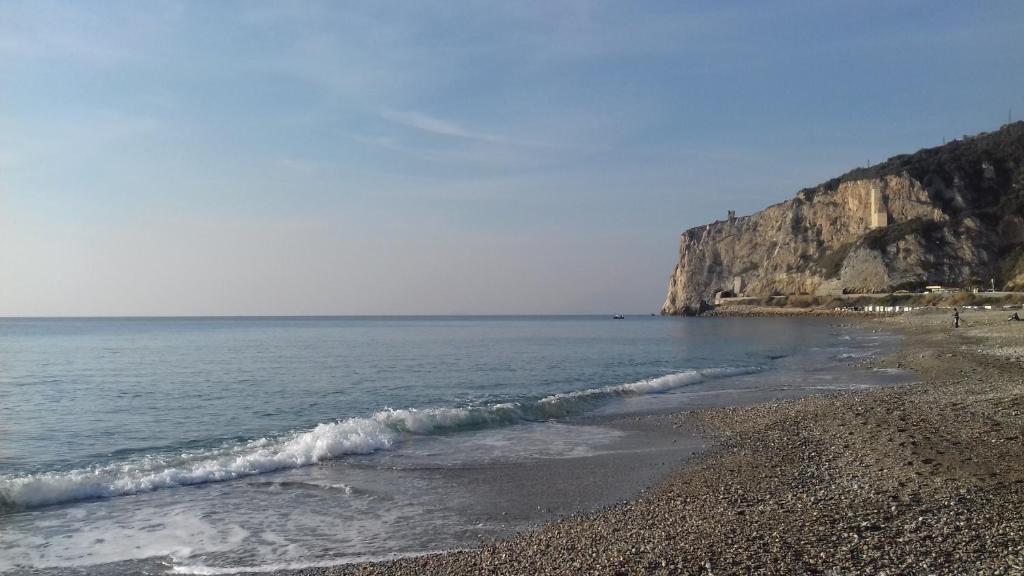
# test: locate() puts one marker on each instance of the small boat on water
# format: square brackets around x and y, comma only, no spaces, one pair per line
[618,317]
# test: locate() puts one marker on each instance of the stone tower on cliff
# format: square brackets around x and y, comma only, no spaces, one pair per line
[879,213]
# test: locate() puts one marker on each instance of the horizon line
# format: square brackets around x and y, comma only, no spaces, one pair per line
[313,316]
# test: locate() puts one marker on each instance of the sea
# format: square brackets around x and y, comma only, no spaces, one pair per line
[223,445]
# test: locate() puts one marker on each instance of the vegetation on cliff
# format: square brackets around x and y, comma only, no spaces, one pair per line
[959,161]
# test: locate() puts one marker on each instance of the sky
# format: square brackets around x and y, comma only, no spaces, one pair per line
[445,157]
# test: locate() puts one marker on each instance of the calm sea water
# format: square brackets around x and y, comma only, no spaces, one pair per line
[209,445]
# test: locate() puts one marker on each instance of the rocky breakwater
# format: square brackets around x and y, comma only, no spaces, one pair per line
[951,215]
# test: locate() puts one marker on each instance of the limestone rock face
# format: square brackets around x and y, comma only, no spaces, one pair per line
[955,216]
[864,271]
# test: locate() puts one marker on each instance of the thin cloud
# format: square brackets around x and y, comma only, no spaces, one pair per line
[433,125]
[446,128]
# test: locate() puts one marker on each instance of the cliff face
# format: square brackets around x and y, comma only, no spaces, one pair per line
[951,215]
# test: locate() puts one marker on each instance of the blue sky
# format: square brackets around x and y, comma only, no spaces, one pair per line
[445,157]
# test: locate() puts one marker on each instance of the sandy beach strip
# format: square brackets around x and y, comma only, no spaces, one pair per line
[923,478]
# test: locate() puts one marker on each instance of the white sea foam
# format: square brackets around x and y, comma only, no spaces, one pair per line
[49,543]
[352,436]
[381,431]
[204,570]
[559,404]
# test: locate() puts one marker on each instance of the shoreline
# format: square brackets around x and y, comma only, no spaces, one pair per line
[459,491]
[921,477]
[757,311]
[752,311]
[864,306]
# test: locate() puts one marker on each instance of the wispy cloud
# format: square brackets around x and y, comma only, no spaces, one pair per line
[438,126]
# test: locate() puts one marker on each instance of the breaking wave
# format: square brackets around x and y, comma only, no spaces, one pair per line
[381,431]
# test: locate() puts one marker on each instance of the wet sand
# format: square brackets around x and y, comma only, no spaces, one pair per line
[924,478]
[549,489]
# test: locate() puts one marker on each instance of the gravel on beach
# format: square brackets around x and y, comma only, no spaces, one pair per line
[923,478]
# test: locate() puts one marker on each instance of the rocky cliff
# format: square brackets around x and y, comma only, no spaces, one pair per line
[951,215]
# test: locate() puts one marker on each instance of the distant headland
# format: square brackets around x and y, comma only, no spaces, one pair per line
[950,216]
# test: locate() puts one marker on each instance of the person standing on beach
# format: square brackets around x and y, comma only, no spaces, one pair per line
[956,318]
